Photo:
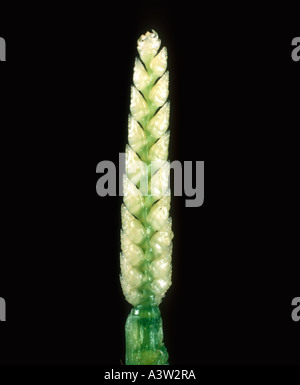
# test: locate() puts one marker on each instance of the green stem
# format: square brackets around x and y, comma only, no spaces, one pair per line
[144,337]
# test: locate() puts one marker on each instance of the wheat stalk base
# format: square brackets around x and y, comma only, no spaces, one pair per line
[144,337]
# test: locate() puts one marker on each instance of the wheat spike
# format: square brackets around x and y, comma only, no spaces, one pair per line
[146,235]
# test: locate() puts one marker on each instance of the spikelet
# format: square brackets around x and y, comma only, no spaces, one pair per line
[146,235]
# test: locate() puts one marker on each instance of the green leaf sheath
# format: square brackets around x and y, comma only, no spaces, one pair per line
[146,235]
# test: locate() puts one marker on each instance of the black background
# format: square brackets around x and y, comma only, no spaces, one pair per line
[234,93]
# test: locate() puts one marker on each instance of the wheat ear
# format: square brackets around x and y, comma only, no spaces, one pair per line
[146,235]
